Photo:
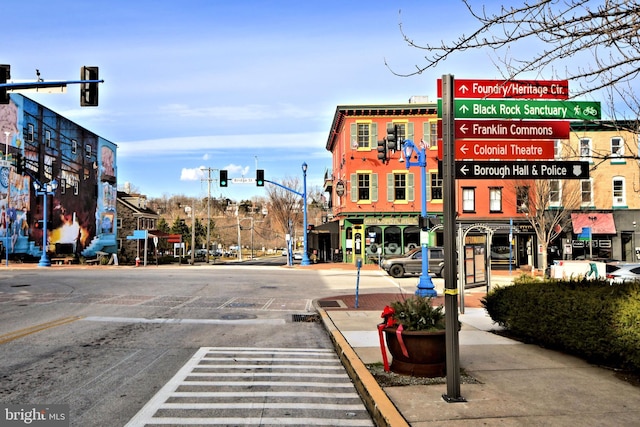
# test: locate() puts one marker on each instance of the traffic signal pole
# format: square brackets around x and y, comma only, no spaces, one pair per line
[305,253]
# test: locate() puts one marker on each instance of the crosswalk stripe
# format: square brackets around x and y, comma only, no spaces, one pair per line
[312,399]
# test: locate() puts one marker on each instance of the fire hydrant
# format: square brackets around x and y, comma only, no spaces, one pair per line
[137,261]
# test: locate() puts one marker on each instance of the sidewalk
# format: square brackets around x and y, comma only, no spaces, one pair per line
[519,384]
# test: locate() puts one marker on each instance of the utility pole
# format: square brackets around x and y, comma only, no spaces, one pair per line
[208,179]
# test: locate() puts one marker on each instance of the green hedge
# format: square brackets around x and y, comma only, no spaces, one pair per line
[588,318]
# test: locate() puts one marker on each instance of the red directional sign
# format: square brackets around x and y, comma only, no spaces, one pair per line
[506,89]
[503,150]
[509,129]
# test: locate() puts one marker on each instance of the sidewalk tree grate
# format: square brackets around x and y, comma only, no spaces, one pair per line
[305,318]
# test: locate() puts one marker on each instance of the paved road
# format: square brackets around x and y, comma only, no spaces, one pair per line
[117,343]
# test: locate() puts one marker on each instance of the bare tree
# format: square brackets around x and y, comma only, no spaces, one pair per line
[607,31]
[284,205]
[547,205]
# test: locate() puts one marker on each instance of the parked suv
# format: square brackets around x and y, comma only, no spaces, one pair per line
[411,262]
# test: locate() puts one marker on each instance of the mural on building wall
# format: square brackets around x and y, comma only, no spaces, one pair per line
[82,210]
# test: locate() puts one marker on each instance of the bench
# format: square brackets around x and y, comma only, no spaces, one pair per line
[93,261]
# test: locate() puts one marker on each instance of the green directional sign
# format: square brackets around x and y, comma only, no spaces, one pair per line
[524,109]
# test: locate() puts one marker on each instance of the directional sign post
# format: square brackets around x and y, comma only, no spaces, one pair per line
[510,129]
[504,149]
[522,170]
[525,109]
[529,89]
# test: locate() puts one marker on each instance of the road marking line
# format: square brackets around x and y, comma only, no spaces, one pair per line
[185,321]
[36,328]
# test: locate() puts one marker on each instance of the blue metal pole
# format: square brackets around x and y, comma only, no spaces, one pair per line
[44,258]
[305,254]
[425,284]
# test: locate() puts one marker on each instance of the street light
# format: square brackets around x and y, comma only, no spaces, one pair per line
[425,284]
[45,190]
[305,254]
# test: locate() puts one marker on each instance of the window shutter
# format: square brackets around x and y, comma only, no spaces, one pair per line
[354,187]
[390,188]
[374,187]
[410,131]
[353,136]
[410,187]
[373,141]
[426,133]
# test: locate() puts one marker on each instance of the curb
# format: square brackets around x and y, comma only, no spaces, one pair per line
[382,410]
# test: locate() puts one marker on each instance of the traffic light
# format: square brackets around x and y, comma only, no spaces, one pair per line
[89,91]
[20,164]
[5,74]
[383,152]
[260,178]
[392,136]
[223,178]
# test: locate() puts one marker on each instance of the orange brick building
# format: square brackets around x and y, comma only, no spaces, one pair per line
[376,205]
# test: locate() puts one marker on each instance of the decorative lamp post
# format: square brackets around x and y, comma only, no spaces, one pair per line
[45,190]
[305,254]
[425,284]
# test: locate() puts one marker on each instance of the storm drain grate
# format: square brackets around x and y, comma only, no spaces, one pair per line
[305,318]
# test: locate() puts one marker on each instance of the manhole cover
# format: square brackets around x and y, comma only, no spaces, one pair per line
[238,316]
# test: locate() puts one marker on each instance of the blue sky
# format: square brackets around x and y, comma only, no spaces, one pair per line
[228,85]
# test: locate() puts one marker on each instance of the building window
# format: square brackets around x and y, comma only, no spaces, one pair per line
[30,132]
[75,188]
[436,186]
[364,187]
[87,150]
[554,193]
[585,149]
[495,199]
[617,150]
[468,199]
[363,135]
[364,190]
[74,146]
[585,192]
[430,132]
[63,186]
[619,198]
[522,199]
[400,186]
[402,132]
[47,138]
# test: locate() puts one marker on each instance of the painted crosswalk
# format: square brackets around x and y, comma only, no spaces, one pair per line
[237,386]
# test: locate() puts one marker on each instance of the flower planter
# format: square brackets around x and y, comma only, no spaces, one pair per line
[426,352]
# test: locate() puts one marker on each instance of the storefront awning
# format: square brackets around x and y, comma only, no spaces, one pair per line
[600,223]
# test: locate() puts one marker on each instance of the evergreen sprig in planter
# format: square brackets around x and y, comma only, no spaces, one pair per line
[414,332]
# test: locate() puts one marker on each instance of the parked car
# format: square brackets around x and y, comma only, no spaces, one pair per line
[619,272]
[411,262]
[297,256]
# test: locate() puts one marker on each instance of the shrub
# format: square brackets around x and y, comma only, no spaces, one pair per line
[587,318]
